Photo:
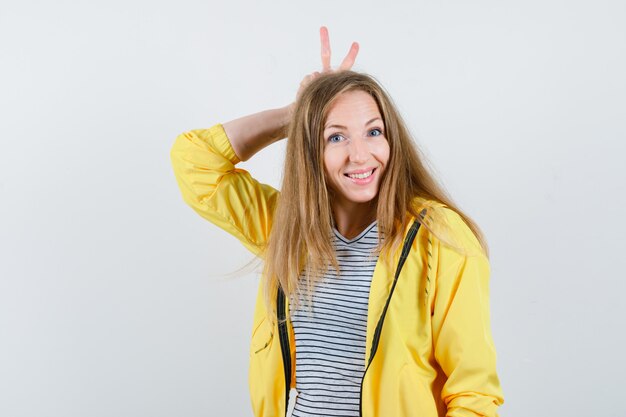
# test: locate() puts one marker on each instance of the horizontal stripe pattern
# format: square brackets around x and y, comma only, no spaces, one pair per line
[330,336]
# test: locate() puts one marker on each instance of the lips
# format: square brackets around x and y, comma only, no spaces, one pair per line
[360,171]
[361,179]
[361,176]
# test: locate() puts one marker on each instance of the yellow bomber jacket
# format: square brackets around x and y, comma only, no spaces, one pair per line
[429,344]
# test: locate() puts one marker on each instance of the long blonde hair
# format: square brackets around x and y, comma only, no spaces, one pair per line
[300,239]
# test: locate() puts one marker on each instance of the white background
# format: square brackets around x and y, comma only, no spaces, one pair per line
[112,295]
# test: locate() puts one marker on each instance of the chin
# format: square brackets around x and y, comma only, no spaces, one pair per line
[362,198]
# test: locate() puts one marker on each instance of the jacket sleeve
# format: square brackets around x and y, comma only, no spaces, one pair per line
[462,338]
[204,166]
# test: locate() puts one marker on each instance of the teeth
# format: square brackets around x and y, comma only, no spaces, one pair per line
[361,176]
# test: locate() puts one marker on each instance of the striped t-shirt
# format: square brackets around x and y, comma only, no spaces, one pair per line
[330,336]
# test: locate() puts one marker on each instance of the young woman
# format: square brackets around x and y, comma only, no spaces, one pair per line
[374,299]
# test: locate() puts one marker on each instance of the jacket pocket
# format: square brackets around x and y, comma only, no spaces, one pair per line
[262,336]
[415,396]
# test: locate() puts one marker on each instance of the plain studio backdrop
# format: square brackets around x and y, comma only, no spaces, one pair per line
[113,299]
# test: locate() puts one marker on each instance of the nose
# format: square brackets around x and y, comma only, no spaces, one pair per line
[358,151]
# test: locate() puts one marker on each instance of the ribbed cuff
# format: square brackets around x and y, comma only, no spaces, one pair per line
[222,143]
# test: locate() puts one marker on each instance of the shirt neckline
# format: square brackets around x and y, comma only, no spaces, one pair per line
[359,236]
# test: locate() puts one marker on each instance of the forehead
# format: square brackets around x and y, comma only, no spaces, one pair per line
[352,107]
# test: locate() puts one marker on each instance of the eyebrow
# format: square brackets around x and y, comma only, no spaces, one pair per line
[343,127]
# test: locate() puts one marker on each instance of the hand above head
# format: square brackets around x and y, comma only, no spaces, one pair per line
[346,64]
[251,133]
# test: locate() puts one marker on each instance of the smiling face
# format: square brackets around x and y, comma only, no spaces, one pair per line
[356,150]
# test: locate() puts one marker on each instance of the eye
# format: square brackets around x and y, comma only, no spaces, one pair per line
[378,132]
[335,138]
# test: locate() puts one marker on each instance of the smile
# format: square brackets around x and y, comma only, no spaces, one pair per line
[362,178]
[361,175]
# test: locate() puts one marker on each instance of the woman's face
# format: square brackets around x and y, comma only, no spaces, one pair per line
[355,148]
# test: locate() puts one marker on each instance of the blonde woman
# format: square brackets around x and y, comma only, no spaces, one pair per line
[374,298]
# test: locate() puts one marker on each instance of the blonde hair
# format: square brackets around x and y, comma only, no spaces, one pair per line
[300,239]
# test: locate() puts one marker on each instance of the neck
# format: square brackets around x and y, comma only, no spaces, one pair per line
[351,218]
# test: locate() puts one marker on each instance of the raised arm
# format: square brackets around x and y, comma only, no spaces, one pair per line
[250,134]
[204,162]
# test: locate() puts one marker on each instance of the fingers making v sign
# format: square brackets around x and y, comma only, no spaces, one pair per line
[346,64]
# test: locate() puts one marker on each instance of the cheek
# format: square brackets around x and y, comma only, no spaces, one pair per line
[327,165]
[332,161]
[382,152]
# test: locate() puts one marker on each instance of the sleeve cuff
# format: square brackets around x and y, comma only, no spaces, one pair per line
[222,143]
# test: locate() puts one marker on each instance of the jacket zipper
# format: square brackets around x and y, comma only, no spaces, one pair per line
[283,333]
[408,241]
[283,336]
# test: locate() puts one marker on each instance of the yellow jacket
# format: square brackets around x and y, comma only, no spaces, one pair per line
[429,344]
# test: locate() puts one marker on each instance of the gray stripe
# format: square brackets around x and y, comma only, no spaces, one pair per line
[330,337]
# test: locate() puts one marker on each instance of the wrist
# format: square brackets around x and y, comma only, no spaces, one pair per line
[290,109]
[286,114]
